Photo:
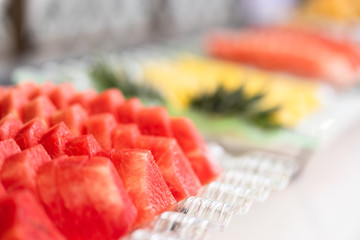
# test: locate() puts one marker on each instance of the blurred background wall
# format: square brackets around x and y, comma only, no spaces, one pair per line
[33,31]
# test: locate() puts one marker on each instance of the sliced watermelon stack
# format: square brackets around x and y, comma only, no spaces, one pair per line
[91,166]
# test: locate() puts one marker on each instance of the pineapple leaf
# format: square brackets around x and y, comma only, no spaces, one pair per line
[104,77]
[236,102]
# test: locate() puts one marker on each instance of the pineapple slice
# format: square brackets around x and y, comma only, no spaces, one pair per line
[183,79]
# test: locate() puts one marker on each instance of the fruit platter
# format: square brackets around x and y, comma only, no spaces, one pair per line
[168,141]
[94,165]
[233,94]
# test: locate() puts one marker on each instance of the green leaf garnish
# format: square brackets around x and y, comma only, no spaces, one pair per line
[238,103]
[105,77]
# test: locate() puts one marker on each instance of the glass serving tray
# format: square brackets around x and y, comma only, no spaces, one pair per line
[248,177]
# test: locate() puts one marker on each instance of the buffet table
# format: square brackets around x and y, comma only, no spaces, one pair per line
[322,203]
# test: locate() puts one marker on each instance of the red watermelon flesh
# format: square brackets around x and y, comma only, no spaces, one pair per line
[174,166]
[86,198]
[62,94]
[4,91]
[28,88]
[83,220]
[101,126]
[30,134]
[206,168]
[43,90]
[19,170]
[187,135]
[83,98]
[127,112]
[50,197]
[74,117]
[154,121]
[40,107]
[106,153]
[83,145]
[125,135]
[7,148]
[55,140]
[108,196]
[107,102]
[194,147]
[9,126]
[143,181]
[23,218]
[13,102]
[2,191]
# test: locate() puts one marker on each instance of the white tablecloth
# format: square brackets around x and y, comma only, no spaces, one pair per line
[322,203]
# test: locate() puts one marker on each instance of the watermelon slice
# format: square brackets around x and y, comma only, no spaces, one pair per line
[174,166]
[4,91]
[55,140]
[84,219]
[84,98]
[7,148]
[195,149]
[9,126]
[19,170]
[83,145]
[109,197]
[50,197]
[125,135]
[28,88]
[40,107]
[62,94]
[43,90]
[105,153]
[187,135]
[13,102]
[154,121]
[2,191]
[101,126]
[30,134]
[73,116]
[143,181]
[127,112]
[107,102]
[22,218]
[93,202]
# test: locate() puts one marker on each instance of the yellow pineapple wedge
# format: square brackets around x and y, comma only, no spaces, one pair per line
[184,78]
